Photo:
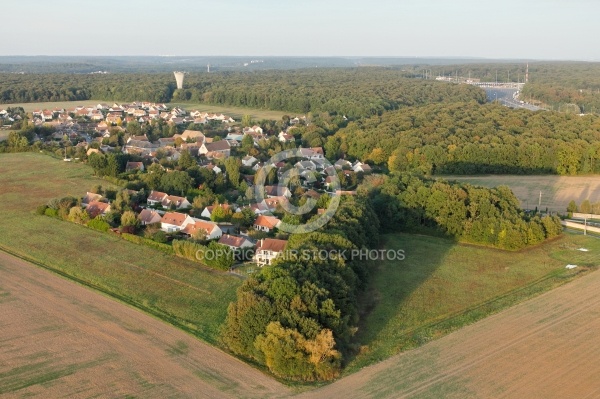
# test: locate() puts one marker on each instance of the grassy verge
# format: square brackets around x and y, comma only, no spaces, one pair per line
[176,290]
[441,287]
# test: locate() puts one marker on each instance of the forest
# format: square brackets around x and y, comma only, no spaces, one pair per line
[468,138]
[351,92]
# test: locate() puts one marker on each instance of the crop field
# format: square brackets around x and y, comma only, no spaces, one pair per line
[59,339]
[557,191]
[546,347]
[235,112]
[198,297]
[441,286]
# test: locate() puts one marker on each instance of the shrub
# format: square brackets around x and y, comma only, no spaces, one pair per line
[150,243]
[51,212]
[98,223]
[41,210]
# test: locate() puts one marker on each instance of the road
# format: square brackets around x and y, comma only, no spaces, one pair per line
[507,97]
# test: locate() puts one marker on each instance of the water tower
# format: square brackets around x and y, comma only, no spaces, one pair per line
[179,79]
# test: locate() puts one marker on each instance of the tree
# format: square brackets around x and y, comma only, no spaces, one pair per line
[232,166]
[586,207]
[128,218]
[572,207]
[186,160]
[78,215]
[220,214]
[247,120]
[122,202]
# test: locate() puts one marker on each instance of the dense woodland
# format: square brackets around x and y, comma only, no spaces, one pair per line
[351,92]
[467,138]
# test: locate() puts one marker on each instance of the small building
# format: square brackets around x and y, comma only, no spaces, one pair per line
[131,166]
[172,222]
[267,250]
[148,216]
[212,230]
[235,243]
[266,223]
[97,208]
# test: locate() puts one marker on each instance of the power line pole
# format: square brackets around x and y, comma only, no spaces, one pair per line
[540,201]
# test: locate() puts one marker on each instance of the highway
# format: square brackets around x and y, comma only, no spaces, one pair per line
[507,97]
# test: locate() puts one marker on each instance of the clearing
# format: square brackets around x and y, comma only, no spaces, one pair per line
[59,339]
[546,347]
[557,191]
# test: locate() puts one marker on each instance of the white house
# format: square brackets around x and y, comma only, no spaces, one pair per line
[234,242]
[173,221]
[207,212]
[211,229]
[266,223]
[267,250]
[249,160]
[156,197]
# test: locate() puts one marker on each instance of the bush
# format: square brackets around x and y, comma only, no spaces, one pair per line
[160,236]
[150,243]
[51,212]
[214,255]
[99,224]
[41,210]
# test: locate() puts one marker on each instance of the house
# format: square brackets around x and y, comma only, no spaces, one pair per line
[361,167]
[341,164]
[89,198]
[148,216]
[312,153]
[191,135]
[166,142]
[156,197]
[285,137]
[249,160]
[276,191]
[175,202]
[173,221]
[211,229]
[221,146]
[267,250]
[213,168]
[140,147]
[235,243]
[96,208]
[134,166]
[266,223]
[207,212]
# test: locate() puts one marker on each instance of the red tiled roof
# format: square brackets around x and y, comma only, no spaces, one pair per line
[271,244]
[266,221]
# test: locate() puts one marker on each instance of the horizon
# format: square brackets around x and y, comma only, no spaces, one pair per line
[537,30]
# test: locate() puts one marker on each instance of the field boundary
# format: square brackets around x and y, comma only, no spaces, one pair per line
[168,318]
[437,329]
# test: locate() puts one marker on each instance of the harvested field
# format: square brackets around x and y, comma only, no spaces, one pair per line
[543,348]
[557,191]
[59,339]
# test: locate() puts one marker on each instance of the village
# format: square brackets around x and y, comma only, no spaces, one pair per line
[198,182]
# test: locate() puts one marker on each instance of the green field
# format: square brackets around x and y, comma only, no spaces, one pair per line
[441,286]
[197,298]
[235,112]
[557,191]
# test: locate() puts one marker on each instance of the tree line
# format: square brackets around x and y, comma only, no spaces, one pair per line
[468,138]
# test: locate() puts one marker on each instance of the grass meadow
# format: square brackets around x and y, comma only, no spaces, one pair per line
[442,286]
[235,112]
[172,288]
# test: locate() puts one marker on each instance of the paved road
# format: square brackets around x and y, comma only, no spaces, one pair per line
[507,97]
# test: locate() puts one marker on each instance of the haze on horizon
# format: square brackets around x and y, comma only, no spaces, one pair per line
[511,29]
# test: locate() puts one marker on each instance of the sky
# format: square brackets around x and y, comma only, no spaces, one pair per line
[507,29]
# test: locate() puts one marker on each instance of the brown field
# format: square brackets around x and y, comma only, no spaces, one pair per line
[546,347]
[60,339]
[557,191]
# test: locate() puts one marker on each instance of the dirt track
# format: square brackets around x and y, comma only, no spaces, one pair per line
[59,339]
[543,348]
